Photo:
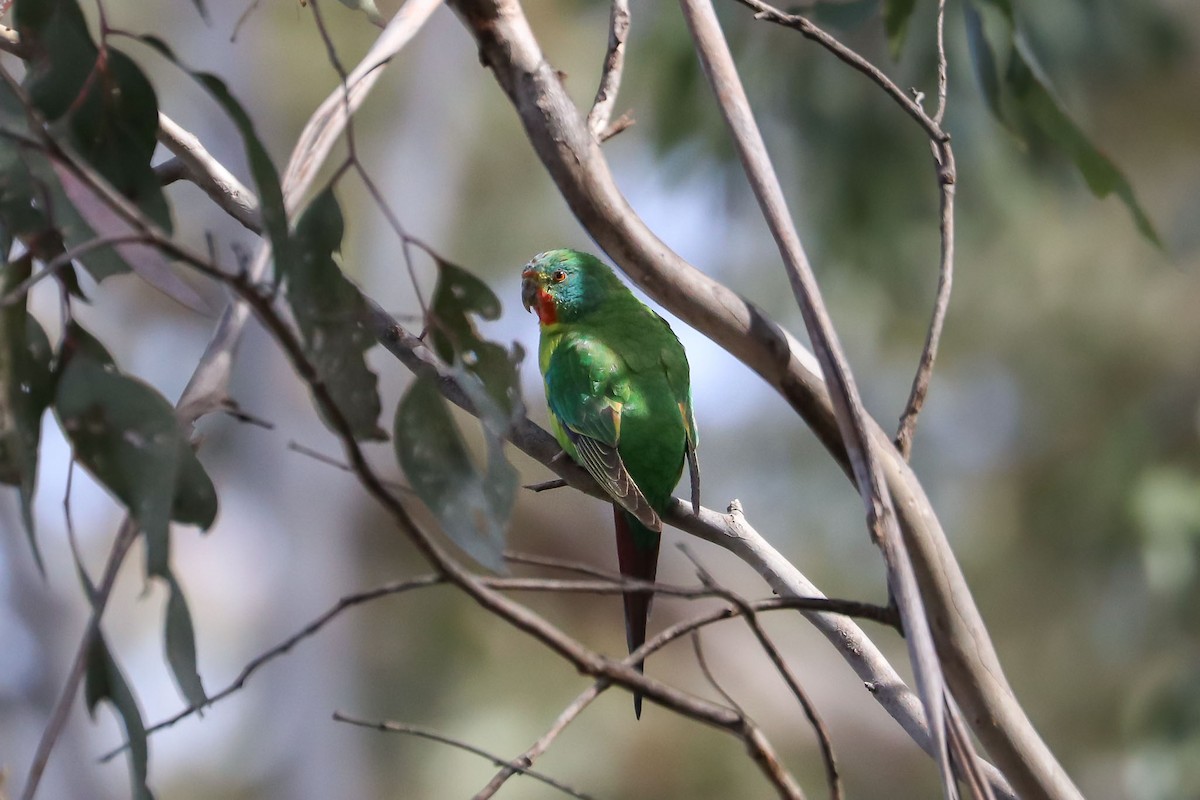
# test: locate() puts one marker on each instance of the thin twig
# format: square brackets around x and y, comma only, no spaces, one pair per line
[942,79]
[66,697]
[257,663]
[702,662]
[947,178]
[556,483]
[824,741]
[808,30]
[413,730]
[944,159]
[610,78]
[64,259]
[568,715]
[578,567]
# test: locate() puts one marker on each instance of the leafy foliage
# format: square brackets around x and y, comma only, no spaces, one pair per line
[126,435]
[472,505]
[330,312]
[96,100]
[1020,96]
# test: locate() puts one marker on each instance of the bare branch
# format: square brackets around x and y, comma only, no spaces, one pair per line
[577,165]
[568,715]
[810,710]
[64,259]
[199,166]
[66,698]
[610,79]
[881,518]
[413,730]
[943,159]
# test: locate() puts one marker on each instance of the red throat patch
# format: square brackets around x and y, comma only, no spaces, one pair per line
[546,310]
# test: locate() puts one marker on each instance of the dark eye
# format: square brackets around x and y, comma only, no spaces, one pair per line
[558,276]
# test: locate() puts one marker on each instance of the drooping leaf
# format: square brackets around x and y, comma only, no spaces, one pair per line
[104,681]
[457,296]
[262,169]
[126,435]
[26,389]
[1019,94]
[896,14]
[473,506]
[330,313]
[180,638]
[1032,91]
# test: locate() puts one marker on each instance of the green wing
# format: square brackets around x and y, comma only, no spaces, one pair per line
[674,363]
[586,390]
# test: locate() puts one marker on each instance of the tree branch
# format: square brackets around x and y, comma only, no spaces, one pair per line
[610,78]
[209,174]
[508,47]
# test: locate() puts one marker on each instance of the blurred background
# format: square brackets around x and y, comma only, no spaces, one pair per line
[1059,444]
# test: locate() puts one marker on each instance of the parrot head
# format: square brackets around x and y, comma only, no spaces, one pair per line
[563,285]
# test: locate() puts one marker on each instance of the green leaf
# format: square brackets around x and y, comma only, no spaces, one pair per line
[330,313]
[262,169]
[473,506]
[26,389]
[181,645]
[102,108]
[457,296]
[126,435]
[896,15]
[104,681]
[1019,94]
[1032,91]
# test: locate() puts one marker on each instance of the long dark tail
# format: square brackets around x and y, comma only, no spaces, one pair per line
[637,553]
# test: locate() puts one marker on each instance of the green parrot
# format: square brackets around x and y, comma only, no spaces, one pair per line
[619,391]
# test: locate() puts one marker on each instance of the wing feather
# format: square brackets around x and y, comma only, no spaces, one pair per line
[605,465]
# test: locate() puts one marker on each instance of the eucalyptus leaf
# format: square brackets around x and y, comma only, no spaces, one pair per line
[1019,94]
[104,681]
[26,389]
[331,312]
[473,506]
[127,436]
[180,638]
[266,177]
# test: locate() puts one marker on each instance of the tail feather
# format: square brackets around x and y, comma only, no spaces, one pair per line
[637,553]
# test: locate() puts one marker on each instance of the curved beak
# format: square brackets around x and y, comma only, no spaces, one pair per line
[529,289]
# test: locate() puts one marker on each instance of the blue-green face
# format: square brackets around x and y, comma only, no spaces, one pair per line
[562,284]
